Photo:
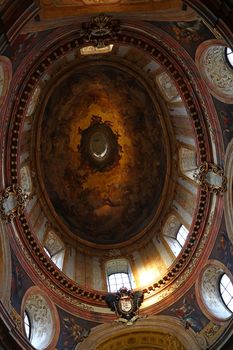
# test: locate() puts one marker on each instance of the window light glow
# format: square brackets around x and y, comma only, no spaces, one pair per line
[57,258]
[226,290]
[148,276]
[229,56]
[118,280]
[182,235]
[27,325]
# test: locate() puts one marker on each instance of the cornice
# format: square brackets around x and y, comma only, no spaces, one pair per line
[182,69]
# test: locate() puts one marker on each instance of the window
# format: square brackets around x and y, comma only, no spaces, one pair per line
[47,252]
[182,235]
[27,325]
[54,248]
[187,162]
[226,291]
[119,275]
[38,321]
[215,291]
[229,56]
[177,240]
[118,280]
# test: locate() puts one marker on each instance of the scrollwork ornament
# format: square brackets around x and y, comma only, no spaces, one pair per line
[100,30]
[12,202]
[211,178]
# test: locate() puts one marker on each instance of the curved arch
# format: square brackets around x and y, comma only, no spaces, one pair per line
[228,197]
[218,75]
[119,274]
[208,291]
[161,332]
[44,319]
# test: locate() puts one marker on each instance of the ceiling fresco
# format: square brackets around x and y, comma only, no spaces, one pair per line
[113,201]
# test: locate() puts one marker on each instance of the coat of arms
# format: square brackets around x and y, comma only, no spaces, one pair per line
[125,303]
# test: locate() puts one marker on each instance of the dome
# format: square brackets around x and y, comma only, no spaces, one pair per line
[116,159]
[94,157]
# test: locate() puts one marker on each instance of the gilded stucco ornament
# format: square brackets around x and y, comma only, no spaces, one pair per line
[125,304]
[12,202]
[100,30]
[211,178]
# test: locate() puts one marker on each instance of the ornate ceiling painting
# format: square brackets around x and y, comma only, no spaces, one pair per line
[113,203]
[113,139]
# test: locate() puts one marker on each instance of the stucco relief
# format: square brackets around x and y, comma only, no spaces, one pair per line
[53,243]
[209,294]
[171,227]
[211,60]
[42,329]
[216,69]
[12,202]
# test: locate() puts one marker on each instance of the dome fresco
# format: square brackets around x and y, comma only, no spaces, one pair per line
[112,203]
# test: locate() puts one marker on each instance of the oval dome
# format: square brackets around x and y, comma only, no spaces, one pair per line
[102,154]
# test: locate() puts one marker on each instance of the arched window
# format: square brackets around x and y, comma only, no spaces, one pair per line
[39,318]
[119,275]
[27,325]
[229,56]
[215,291]
[54,248]
[187,162]
[182,235]
[226,291]
[175,234]
[215,64]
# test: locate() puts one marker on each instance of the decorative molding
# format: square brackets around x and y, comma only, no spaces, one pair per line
[45,322]
[125,303]
[17,319]
[176,70]
[211,178]
[208,292]
[212,63]
[217,70]
[100,31]
[164,332]
[12,202]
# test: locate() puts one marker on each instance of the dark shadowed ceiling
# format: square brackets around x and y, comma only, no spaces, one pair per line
[112,199]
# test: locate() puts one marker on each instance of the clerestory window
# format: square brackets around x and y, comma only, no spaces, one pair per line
[229,56]
[119,274]
[226,291]
[54,248]
[177,241]
[27,325]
